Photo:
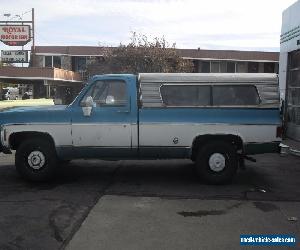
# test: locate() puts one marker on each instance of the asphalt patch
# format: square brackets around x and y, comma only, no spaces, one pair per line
[265,206]
[201,213]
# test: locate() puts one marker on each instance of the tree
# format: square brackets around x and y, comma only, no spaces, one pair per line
[140,55]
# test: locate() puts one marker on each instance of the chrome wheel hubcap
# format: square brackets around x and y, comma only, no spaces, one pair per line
[217,162]
[36,159]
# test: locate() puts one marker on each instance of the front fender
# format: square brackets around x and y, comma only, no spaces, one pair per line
[59,132]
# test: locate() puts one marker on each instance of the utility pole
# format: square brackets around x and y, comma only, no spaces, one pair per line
[33,36]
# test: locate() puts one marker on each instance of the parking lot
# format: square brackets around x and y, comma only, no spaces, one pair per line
[147,205]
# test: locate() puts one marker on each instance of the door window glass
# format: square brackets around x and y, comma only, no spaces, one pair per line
[108,93]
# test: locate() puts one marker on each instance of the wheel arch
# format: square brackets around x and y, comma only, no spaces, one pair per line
[16,138]
[200,140]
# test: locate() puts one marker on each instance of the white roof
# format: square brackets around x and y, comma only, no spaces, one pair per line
[208,77]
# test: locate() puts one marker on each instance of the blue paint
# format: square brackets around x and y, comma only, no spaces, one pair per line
[43,114]
[210,115]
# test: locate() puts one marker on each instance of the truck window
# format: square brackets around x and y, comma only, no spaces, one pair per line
[231,95]
[108,93]
[185,95]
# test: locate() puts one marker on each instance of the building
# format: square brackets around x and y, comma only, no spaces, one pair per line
[231,61]
[39,79]
[289,69]
[76,58]
[73,61]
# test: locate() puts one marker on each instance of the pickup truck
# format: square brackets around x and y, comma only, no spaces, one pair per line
[216,120]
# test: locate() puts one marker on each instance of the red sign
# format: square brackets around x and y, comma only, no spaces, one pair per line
[15,35]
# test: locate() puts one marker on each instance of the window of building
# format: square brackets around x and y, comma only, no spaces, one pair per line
[53,61]
[108,93]
[204,67]
[223,66]
[185,95]
[79,63]
[253,67]
[293,88]
[241,67]
[215,67]
[57,62]
[269,67]
[48,61]
[294,59]
[232,95]
[230,67]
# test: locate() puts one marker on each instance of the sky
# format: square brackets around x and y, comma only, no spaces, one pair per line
[191,24]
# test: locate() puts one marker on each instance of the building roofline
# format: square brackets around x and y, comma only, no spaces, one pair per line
[184,53]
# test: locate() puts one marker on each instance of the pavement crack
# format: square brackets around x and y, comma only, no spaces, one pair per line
[86,213]
[60,219]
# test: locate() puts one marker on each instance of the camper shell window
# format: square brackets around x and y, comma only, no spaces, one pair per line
[235,95]
[185,95]
[209,95]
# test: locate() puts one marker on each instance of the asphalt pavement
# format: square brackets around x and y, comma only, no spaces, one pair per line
[147,204]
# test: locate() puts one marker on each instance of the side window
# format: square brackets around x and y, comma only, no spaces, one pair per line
[108,93]
[180,95]
[48,61]
[231,95]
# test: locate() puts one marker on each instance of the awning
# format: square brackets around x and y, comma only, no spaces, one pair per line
[31,75]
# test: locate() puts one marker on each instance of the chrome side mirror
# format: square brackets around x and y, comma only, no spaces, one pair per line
[87,106]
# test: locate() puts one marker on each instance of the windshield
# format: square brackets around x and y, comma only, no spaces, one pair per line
[83,90]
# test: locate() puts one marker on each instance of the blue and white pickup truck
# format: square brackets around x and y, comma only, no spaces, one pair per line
[216,120]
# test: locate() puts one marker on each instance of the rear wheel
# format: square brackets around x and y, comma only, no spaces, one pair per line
[217,162]
[36,159]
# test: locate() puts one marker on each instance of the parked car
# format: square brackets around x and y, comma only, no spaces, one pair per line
[10,93]
[27,95]
[216,120]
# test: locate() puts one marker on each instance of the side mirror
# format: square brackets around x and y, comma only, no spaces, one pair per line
[87,106]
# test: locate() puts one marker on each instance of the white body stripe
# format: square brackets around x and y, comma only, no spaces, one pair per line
[61,133]
[152,134]
[164,134]
[101,135]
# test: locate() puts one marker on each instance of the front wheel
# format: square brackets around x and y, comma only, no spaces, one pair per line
[36,160]
[217,162]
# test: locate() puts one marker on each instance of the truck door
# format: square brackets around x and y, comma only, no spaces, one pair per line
[106,132]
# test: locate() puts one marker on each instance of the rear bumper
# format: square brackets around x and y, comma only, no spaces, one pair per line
[262,148]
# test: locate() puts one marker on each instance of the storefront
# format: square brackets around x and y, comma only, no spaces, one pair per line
[289,69]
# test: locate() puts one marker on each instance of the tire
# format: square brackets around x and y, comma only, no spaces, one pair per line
[63,162]
[36,160]
[217,162]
